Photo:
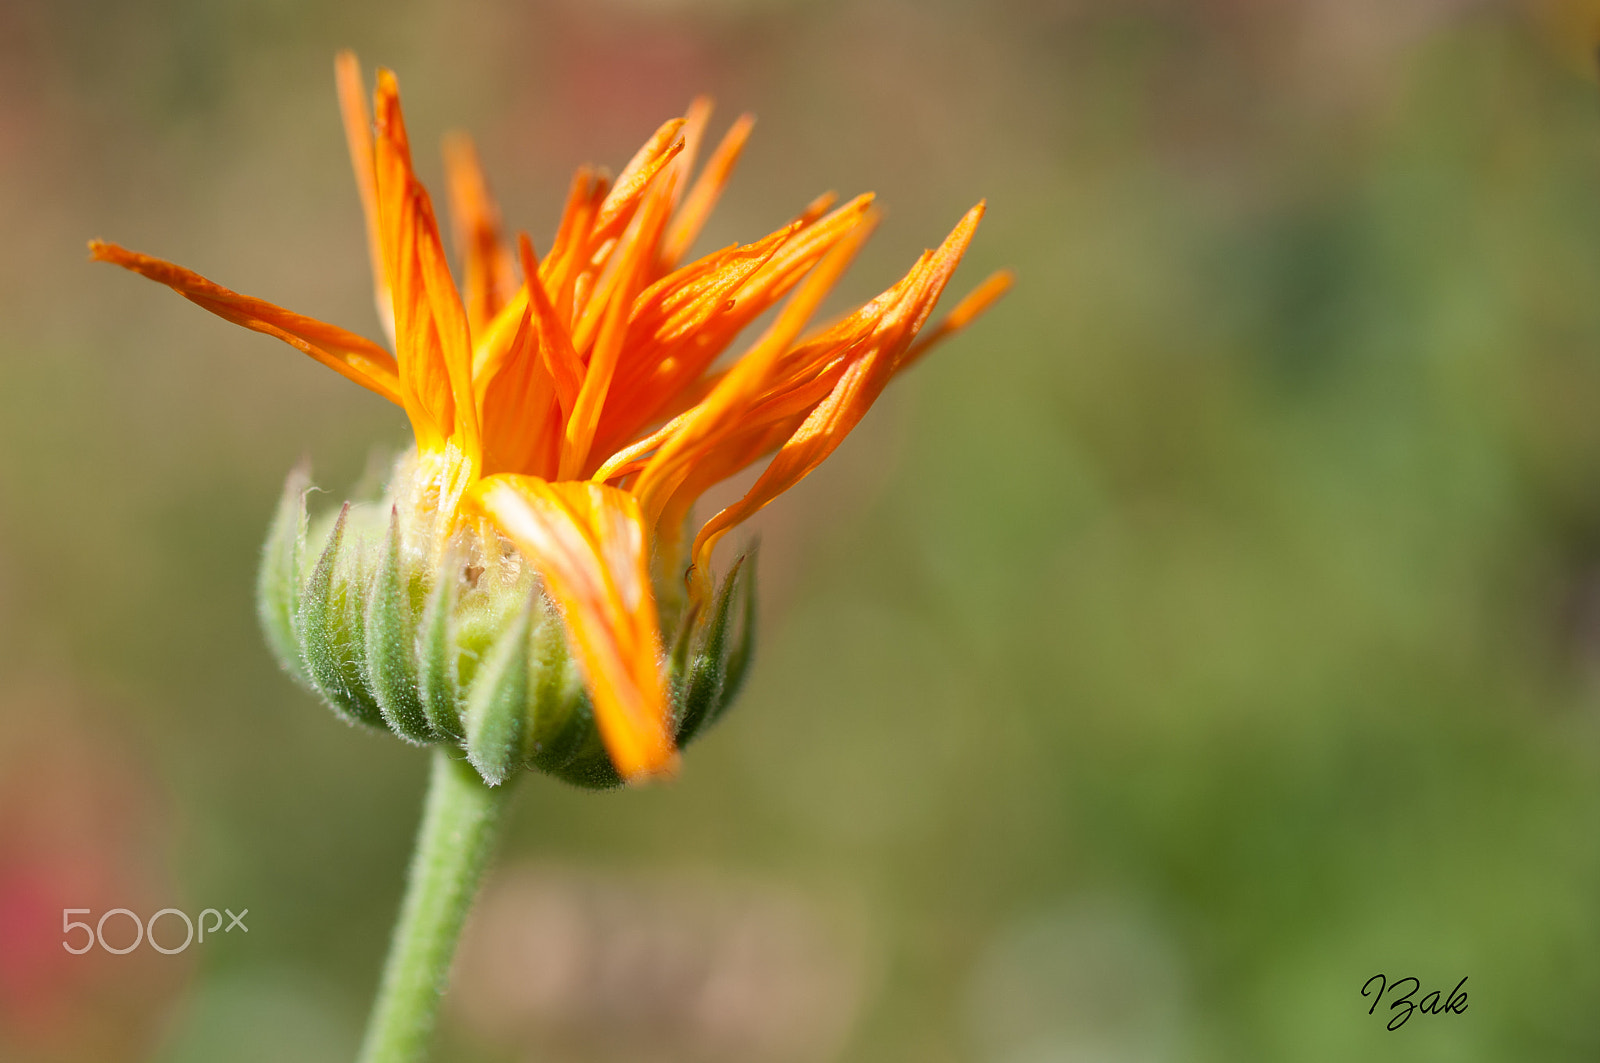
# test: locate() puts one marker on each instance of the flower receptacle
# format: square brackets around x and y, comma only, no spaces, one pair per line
[441,633]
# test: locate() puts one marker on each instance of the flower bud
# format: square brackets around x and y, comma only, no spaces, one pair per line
[435,628]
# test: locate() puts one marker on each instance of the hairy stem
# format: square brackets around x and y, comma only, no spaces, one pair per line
[458,831]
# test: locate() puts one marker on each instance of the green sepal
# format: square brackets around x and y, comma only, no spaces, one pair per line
[469,652]
[391,638]
[744,646]
[437,682]
[496,714]
[709,679]
[591,768]
[279,583]
[565,741]
[330,629]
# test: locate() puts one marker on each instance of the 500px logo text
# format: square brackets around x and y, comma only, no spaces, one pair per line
[144,931]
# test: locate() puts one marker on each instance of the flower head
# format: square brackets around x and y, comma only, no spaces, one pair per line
[569,410]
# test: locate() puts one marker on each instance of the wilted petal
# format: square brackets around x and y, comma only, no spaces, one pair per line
[588,542]
[344,352]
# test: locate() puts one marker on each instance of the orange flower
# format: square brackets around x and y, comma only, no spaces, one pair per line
[582,409]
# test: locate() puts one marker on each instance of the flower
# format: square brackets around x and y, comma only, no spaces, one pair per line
[569,419]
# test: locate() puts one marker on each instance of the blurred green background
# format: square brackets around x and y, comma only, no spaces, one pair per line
[1212,627]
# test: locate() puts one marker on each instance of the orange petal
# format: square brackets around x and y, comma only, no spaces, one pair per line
[555,346]
[449,321]
[626,195]
[719,412]
[683,323]
[569,251]
[424,376]
[815,238]
[350,355]
[697,205]
[528,381]
[358,134]
[515,400]
[695,120]
[588,543]
[615,296]
[677,328]
[432,341]
[487,282]
[857,388]
[966,311]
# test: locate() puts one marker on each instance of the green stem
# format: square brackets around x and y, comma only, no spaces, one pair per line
[458,830]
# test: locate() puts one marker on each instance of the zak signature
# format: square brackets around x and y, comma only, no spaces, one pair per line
[1402,1005]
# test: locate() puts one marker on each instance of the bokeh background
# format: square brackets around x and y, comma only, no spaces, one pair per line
[1214,626]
